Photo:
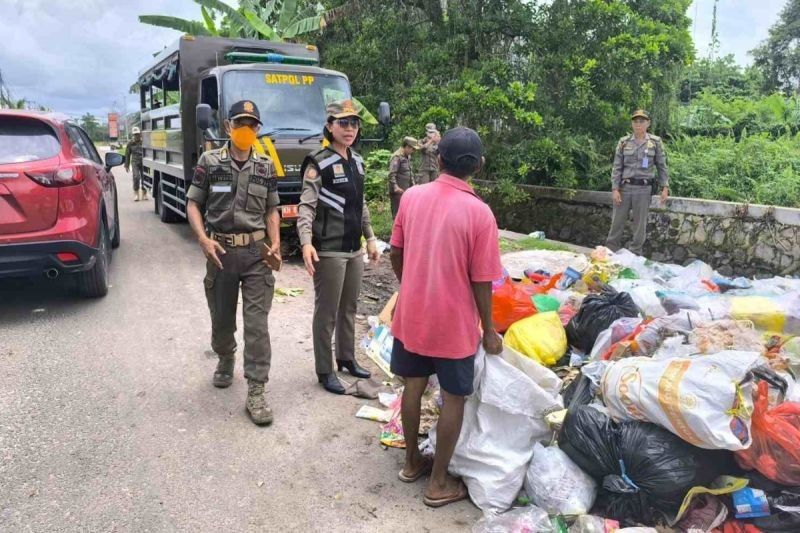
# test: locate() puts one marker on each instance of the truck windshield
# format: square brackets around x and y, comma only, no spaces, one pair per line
[290,103]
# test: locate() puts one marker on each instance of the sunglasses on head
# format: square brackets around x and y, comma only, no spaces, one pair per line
[349,122]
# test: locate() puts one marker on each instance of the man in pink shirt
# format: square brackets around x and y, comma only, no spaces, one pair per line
[445,253]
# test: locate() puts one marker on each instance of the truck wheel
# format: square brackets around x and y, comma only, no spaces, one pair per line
[94,282]
[166,214]
[116,238]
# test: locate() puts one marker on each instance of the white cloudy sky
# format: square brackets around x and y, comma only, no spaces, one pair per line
[76,56]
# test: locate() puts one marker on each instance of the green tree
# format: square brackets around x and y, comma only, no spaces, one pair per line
[92,127]
[778,57]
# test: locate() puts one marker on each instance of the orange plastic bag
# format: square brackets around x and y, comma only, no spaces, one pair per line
[775,451]
[512,302]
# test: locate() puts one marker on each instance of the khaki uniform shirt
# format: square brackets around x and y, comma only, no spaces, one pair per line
[133,153]
[629,161]
[400,171]
[307,212]
[430,157]
[237,200]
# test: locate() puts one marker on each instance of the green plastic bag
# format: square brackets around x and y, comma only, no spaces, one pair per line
[544,303]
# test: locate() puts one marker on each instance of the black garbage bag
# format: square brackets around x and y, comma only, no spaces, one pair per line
[785,517]
[644,470]
[597,313]
[579,392]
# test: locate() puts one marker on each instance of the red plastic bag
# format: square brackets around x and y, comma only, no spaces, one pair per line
[512,302]
[775,451]
[734,526]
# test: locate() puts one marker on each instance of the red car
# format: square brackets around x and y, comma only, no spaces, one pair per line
[58,201]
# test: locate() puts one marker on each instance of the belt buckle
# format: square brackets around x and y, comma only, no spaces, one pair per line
[230,240]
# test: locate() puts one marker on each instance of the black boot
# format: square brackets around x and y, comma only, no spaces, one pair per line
[353,368]
[331,383]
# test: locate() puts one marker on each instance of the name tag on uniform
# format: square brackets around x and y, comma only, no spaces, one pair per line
[645,162]
[338,170]
[340,180]
[220,188]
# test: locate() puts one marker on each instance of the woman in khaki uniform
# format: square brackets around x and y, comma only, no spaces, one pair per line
[333,216]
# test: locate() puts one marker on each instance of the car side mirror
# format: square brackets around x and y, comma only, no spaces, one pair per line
[113,159]
[384,114]
[203,116]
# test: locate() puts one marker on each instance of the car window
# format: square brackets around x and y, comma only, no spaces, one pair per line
[90,145]
[77,139]
[25,139]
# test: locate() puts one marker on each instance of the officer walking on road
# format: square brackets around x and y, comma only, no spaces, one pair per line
[238,189]
[429,148]
[639,157]
[133,158]
[400,174]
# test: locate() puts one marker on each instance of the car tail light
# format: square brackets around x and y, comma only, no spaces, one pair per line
[62,176]
[67,257]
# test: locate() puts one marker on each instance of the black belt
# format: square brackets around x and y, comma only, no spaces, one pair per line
[636,181]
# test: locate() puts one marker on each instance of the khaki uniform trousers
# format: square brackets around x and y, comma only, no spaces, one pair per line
[635,200]
[242,267]
[337,283]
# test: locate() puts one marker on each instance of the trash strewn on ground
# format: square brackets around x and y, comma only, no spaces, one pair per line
[631,394]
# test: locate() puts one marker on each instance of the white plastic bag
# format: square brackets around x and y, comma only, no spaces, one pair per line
[558,485]
[502,421]
[520,520]
[701,399]
[643,292]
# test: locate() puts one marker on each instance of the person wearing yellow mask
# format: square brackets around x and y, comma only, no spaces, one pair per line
[239,190]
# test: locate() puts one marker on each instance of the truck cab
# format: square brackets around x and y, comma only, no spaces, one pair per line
[185,96]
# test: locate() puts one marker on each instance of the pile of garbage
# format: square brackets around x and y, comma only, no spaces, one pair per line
[634,394]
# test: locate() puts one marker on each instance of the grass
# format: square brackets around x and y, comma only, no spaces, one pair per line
[529,243]
[381,214]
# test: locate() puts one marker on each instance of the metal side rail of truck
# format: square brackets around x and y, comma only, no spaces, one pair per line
[185,95]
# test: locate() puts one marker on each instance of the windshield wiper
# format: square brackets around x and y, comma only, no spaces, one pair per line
[276,130]
[304,139]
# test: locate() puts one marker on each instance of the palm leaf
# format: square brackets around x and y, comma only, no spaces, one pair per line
[209,20]
[287,15]
[192,27]
[222,7]
[260,26]
[303,26]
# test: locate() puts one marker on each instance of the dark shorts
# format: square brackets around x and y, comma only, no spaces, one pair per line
[455,375]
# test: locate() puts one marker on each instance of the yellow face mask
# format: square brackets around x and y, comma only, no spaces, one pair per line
[243,137]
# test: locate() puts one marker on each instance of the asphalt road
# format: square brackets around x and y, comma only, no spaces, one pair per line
[109,422]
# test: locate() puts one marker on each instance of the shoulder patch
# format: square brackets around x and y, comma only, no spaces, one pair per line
[199,178]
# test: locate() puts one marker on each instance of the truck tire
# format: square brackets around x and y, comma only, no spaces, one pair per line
[94,282]
[166,214]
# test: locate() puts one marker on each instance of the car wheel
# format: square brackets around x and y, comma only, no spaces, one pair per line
[166,214]
[94,282]
[116,238]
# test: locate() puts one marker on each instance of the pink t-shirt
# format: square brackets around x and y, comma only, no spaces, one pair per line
[449,239]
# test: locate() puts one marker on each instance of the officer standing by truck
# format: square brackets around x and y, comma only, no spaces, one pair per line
[133,158]
[238,188]
[638,158]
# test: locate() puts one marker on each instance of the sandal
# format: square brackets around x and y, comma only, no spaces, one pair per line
[440,502]
[426,469]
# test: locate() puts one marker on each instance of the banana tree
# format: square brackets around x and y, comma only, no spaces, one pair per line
[276,20]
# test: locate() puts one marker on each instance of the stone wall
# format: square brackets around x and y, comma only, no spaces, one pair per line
[736,239]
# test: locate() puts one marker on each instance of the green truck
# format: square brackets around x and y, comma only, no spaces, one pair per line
[188,88]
